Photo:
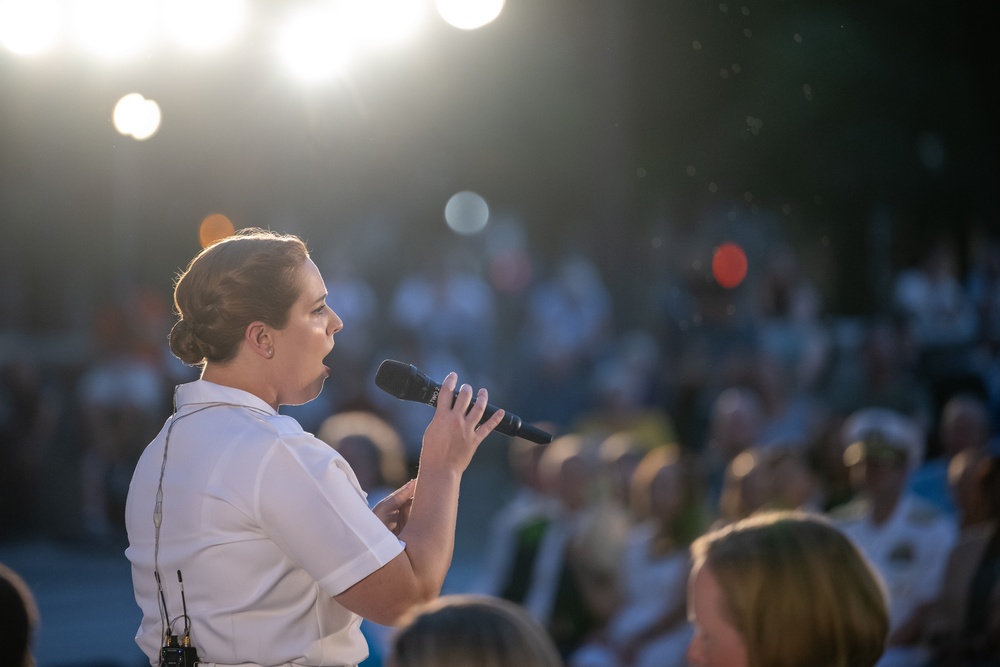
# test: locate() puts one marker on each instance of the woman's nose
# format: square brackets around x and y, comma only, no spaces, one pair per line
[336,324]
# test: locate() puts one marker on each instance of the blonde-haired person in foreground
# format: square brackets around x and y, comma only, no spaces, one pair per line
[466,630]
[784,589]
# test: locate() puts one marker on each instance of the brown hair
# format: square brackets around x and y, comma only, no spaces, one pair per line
[797,590]
[461,630]
[247,277]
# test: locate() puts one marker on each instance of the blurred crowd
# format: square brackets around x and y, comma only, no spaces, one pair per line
[717,404]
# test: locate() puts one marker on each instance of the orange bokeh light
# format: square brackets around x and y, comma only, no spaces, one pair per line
[214,228]
[729,265]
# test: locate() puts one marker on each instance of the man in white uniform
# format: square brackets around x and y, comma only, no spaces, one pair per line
[906,538]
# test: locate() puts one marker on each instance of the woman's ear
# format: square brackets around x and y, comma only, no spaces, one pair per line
[258,337]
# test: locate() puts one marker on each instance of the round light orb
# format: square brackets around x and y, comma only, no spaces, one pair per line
[204,25]
[729,265]
[466,213]
[315,43]
[114,29]
[137,117]
[214,228]
[28,27]
[469,14]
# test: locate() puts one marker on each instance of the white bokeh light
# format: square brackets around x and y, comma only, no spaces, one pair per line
[28,27]
[204,25]
[137,117]
[466,213]
[383,23]
[469,14]
[114,28]
[316,43]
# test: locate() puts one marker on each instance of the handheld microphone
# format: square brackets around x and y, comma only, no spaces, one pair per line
[404,381]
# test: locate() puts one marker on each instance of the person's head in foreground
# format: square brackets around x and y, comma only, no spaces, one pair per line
[465,630]
[784,589]
[18,620]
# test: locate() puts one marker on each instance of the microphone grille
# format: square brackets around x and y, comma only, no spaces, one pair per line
[393,376]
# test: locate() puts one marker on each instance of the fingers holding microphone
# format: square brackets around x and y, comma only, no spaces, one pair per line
[455,433]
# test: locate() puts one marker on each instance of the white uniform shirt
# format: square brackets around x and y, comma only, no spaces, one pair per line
[910,551]
[266,524]
[652,585]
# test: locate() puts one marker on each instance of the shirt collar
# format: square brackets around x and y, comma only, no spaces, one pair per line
[203,391]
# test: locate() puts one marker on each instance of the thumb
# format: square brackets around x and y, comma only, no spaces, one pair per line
[400,496]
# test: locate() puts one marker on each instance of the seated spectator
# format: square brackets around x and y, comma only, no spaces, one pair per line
[933,301]
[18,620]
[826,458]
[790,310]
[776,478]
[373,449]
[466,630]
[624,389]
[530,505]
[790,414]
[965,424]
[565,562]
[649,626]
[736,423]
[963,626]
[907,539]
[784,590]
[745,487]
[29,413]
[122,398]
[619,455]
[964,481]
[879,371]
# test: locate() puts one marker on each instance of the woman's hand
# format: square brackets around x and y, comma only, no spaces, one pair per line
[394,509]
[454,433]
[423,515]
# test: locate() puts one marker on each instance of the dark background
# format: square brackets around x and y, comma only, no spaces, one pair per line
[854,130]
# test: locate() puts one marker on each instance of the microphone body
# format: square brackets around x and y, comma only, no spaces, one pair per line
[405,382]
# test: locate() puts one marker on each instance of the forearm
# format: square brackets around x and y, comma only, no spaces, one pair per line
[428,527]
[429,533]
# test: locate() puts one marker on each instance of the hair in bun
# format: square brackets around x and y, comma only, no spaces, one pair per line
[248,277]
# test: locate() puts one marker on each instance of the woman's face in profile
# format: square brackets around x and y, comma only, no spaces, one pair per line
[716,641]
[300,348]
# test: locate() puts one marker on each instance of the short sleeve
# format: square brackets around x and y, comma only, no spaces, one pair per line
[309,503]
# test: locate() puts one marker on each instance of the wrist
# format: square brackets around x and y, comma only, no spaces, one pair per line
[439,476]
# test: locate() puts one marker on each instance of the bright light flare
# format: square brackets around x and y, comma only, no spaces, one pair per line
[204,25]
[383,23]
[114,28]
[137,117]
[467,213]
[316,43]
[469,14]
[28,27]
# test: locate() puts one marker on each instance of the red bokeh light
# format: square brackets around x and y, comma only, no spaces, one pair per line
[729,265]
